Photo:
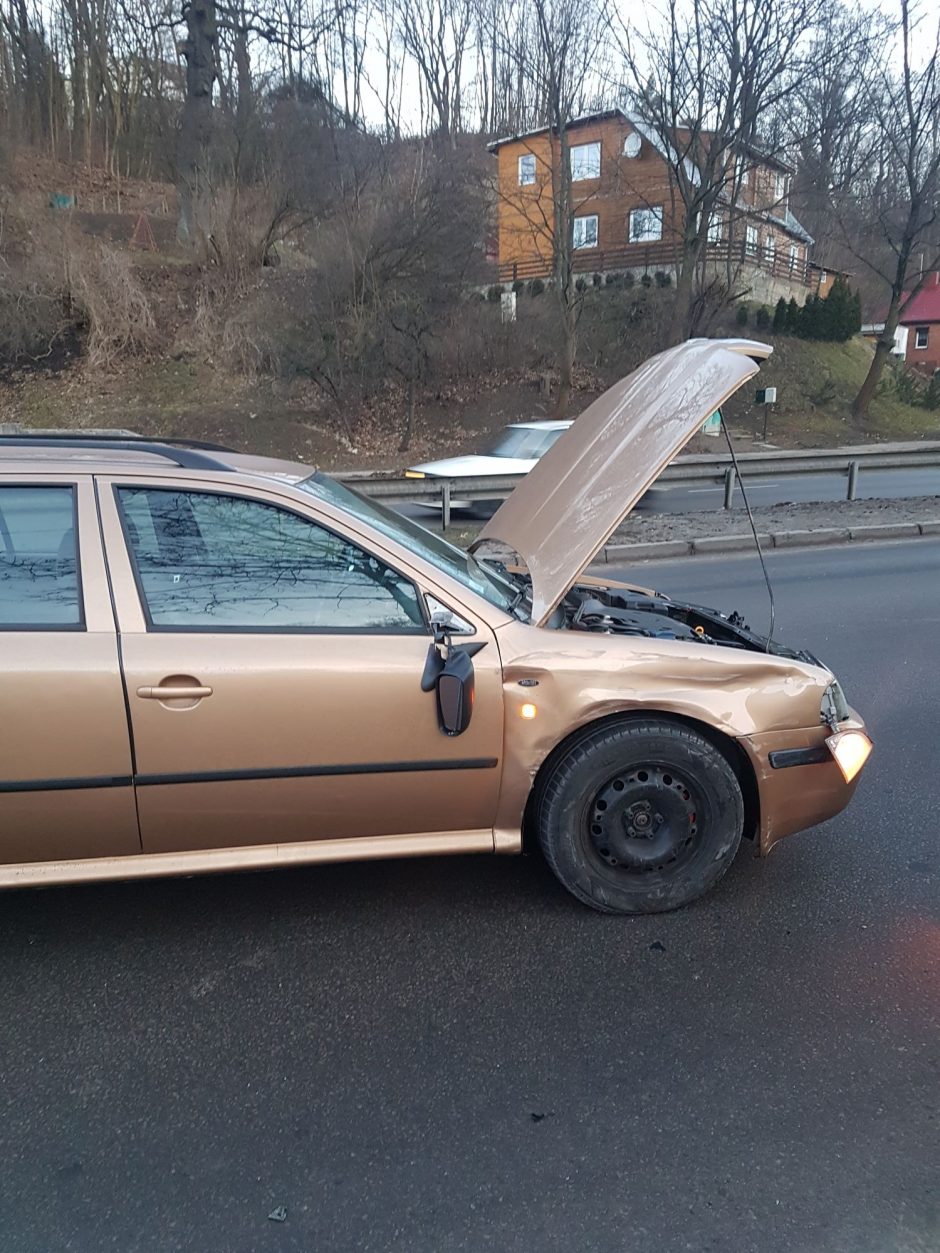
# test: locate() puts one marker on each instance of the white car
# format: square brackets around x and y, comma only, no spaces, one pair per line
[516,451]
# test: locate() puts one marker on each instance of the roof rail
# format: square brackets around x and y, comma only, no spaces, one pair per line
[181,454]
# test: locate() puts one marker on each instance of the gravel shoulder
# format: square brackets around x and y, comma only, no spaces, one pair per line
[807,516]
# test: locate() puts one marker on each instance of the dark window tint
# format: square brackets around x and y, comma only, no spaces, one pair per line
[215,563]
[38,559]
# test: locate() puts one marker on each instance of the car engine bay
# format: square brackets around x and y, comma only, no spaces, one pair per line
[616,611]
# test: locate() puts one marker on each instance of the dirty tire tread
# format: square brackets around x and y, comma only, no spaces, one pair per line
[608,749]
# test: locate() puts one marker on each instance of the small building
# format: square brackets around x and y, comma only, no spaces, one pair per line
[917,336]
[625,215]
[920,323]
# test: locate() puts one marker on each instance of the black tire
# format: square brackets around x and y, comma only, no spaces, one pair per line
[640,817]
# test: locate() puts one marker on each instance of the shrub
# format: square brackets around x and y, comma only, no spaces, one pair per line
[518,286]
[825,391]
[647,280]
[536,287]
[663,278]
[906,387]
[628,279]
[613,280]
[114,308]
[597,279]
[835,317]
[780,317]
[494,292]
[931,396]
[581,284]
[763,318]
[740,316]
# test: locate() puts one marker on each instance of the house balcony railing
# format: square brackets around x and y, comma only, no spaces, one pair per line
[662,256]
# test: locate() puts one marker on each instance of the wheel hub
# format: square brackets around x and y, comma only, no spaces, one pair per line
[644,819]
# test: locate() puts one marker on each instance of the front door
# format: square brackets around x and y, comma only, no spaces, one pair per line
[66,792]
[273,672]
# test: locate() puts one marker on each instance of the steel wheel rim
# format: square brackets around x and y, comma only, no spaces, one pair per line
[644,820]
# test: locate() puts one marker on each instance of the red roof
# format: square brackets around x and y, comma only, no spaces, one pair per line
[925,306]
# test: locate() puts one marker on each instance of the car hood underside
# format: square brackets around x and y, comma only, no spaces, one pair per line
[560,516]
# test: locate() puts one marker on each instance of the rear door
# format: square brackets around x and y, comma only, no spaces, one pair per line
[273,669]
[65,764]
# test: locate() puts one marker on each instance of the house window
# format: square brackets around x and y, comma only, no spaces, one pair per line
[750,240]
[585,232]
[585,162]
[770,249]
[646,225]
[527,169]
[921,336]
[741,171]
[780,187]
[794,257]
[715,228]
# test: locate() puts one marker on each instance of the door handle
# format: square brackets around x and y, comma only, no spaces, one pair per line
[189,691]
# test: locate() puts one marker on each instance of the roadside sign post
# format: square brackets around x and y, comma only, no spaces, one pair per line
[766,396]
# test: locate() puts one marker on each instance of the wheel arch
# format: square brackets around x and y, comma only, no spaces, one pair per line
[725,744]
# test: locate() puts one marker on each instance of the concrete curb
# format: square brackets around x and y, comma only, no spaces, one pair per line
[657,550]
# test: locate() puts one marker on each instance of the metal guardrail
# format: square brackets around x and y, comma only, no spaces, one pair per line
[695,468]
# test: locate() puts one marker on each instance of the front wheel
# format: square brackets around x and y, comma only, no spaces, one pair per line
[640,817]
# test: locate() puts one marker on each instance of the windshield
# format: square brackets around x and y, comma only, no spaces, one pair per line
[447,558]
[524,442]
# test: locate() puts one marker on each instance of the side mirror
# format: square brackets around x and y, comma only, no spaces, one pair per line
[455,690]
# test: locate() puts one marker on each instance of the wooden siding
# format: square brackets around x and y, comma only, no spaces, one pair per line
[525,212]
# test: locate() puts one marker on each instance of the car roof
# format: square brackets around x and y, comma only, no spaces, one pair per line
[73,450]
[538,424]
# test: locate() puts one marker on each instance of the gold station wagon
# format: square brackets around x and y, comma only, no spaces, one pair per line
[218,662]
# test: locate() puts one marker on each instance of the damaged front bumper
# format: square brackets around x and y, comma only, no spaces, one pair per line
[800,782]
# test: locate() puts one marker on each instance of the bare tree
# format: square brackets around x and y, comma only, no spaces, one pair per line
[199,51]
[436,35]
[903,184]
[557,59]
[830,117]
[707,77]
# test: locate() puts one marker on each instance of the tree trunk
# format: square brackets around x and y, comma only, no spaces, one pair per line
[886,339]
[681,317]
[196,120]
[569,352]
[409,419]
[565,290]
[882,352]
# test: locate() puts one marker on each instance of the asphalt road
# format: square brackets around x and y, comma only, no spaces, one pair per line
[872,485]
[454,1055]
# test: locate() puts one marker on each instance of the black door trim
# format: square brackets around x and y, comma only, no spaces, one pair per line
[237,776]
[313,772]
[65,785]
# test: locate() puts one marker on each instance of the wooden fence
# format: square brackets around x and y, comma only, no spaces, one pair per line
[661,256]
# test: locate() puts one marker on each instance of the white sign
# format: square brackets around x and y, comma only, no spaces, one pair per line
[507,304]
[712,425]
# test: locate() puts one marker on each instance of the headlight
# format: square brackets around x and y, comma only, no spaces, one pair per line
[833,708]
[851,749]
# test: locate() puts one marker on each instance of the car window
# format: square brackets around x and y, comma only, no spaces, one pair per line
[523,442]
[210,562]
[476,575]
[39,587]
[548,439]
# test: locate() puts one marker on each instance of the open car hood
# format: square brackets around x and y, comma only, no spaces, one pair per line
[560,516]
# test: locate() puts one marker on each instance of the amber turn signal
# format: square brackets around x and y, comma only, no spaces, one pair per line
[528,711]
[851,749]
